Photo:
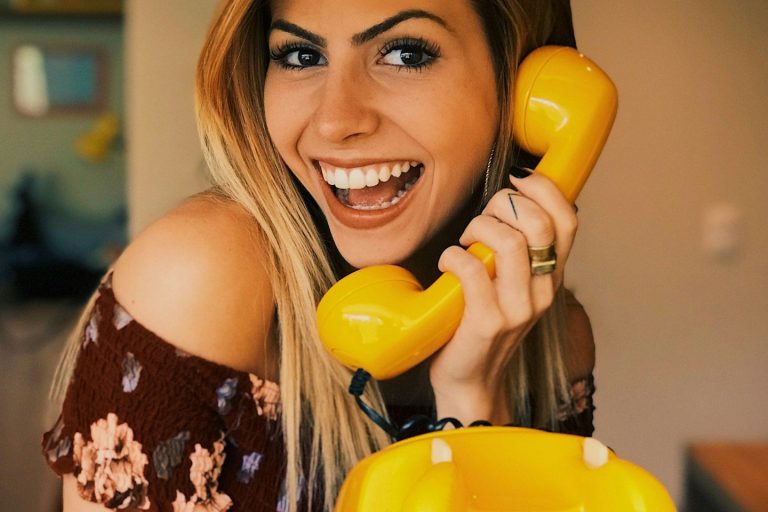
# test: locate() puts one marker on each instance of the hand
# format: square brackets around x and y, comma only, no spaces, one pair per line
[467,373]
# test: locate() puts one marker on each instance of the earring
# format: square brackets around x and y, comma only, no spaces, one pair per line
[488,170]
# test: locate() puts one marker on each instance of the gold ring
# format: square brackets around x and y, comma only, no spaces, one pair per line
[543,259]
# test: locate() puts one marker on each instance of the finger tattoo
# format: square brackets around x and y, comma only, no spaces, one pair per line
[514,209]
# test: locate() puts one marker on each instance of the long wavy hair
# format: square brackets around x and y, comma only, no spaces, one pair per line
[325,435]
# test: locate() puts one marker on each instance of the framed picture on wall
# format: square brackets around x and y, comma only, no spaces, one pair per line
[50,80]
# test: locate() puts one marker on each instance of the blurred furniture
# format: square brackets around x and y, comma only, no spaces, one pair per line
[727,477]
[51,256]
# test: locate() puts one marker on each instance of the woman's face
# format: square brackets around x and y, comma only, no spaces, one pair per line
[386,111]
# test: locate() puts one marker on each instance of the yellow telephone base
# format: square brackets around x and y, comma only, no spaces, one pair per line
[495,469]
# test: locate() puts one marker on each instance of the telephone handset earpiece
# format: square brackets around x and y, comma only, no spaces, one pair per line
[380,318]
[568,108]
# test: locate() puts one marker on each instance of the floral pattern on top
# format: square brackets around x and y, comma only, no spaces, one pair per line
[131,373]
[169,453]
[120,317]
[224,395]
[249,467]
[266,394]
[578,400]
[56,446]
[204,474]
[91,334]
[110,467]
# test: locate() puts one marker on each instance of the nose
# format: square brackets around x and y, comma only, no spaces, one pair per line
[344,109]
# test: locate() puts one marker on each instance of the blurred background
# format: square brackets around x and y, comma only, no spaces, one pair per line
[97,139]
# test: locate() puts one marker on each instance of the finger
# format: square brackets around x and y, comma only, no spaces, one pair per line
[535,220]
[543,191]
[540,230]
[531,219]
[481,308]
[523,214]
[513,269]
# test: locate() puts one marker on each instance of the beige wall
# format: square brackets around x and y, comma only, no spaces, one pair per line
[682,334]
[162,41]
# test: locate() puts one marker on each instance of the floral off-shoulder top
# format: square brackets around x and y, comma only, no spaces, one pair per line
[146,426]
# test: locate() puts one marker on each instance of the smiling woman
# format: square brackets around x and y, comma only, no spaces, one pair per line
[339,135]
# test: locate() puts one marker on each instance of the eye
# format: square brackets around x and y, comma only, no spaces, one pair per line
[296,56]
[408,57]
[410,53]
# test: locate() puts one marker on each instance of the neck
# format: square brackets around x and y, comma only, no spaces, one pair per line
[423,262]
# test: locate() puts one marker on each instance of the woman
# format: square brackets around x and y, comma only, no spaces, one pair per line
[338,134]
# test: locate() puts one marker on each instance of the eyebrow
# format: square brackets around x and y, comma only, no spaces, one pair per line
[364,36]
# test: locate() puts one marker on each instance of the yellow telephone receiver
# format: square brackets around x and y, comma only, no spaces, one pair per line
[380,318]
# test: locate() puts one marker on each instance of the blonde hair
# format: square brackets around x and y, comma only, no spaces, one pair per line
[325,435]
[537,370]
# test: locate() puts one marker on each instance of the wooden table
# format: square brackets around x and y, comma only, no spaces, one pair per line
[727,477]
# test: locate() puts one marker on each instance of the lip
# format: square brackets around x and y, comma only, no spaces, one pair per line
[362,219]
[358,162]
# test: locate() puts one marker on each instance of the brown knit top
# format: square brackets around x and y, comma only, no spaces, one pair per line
[146,426]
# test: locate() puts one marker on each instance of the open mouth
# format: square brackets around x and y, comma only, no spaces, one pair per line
[372,187]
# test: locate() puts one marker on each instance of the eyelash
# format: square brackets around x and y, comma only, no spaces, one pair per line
[279,54]
[431,50]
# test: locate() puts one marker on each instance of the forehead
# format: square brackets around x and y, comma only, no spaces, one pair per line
[350,16]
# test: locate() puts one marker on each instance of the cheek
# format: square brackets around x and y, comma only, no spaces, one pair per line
[462,124]
[278,125]
[283,124]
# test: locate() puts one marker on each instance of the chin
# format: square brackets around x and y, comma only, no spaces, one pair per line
[361,255]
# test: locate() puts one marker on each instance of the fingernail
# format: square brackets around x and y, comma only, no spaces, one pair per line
[519,172]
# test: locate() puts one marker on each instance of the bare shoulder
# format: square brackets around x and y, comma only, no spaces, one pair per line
[580,357]
[196,277]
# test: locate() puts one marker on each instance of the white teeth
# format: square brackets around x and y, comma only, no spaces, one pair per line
[341,179]
[356,179]
[362,177]
[371,178]
[384,173]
